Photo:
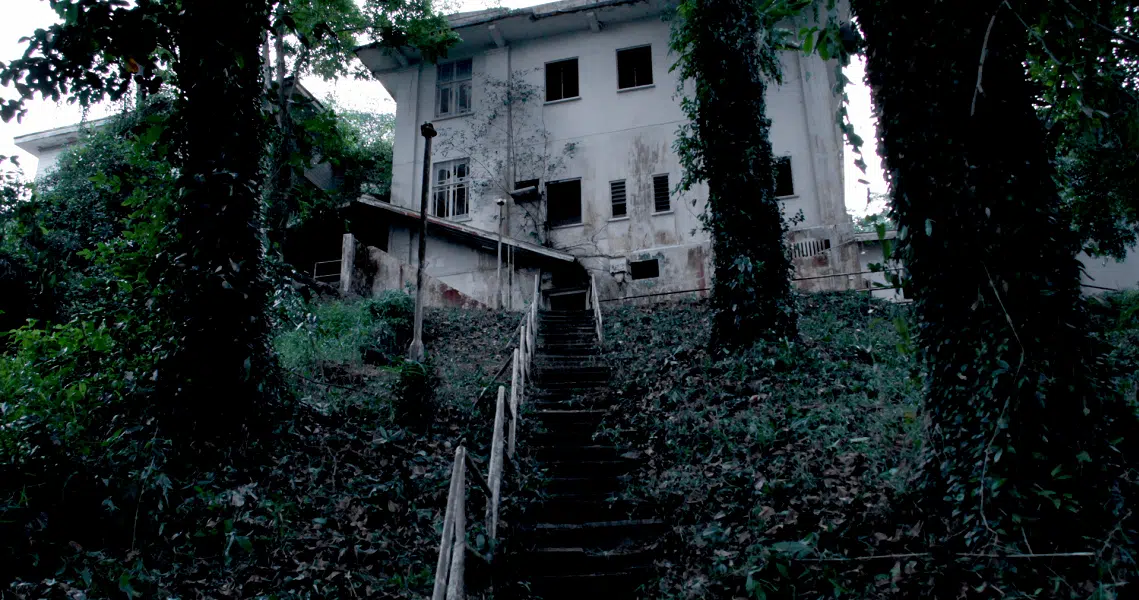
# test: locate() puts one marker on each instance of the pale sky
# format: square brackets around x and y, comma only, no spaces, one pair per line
[22,17]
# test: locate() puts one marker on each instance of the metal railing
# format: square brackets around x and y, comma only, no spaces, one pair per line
[326,276]
[591,301]
[449,582]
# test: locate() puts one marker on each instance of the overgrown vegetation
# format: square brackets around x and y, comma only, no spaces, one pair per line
[1029,448]
[726,51]
[783,467]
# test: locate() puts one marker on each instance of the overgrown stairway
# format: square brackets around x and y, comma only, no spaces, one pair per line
[578,537]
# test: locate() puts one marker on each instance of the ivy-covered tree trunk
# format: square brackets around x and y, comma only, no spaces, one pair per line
[1022,453]
[725,56]
[221,363]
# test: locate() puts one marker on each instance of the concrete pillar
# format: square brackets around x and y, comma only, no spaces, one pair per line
[347,262]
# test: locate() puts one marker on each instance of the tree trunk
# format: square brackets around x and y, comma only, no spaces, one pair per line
[1019,456]
[729,146]
[220,369]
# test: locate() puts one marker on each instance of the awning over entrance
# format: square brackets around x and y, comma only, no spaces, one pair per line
[473,236]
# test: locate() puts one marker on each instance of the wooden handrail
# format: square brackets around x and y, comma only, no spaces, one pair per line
[596,308]
[449,582]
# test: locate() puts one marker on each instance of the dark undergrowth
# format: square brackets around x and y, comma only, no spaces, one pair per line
[343,498]
[785,468]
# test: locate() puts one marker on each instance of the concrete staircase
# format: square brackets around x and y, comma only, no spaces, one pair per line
[579,538]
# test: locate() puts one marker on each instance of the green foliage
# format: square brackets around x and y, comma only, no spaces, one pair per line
[782,449]
[870,223]
[726,50]
[1028,444]
[1083,55]
[345,334]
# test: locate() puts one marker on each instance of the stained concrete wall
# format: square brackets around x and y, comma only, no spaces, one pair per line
[625,134]
[471,270]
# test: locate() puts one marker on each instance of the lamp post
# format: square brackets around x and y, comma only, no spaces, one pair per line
[501,202]
[415,352]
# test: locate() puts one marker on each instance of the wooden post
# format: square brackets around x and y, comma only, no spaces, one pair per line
[494,474]
[443,566]
[415,352]
[456,590]
[524,367]
[513,405]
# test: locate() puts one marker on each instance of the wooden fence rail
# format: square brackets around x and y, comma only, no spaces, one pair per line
[449,581]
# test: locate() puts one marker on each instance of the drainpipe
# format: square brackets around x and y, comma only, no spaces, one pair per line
[415,352]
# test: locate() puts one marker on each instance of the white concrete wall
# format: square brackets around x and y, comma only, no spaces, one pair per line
[1109,273]
[871,253]
[48,159]
[470,270]
[618,135]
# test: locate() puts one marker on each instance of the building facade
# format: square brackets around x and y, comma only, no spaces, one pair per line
[568,112]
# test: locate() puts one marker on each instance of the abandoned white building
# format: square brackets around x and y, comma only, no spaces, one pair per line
[568,113]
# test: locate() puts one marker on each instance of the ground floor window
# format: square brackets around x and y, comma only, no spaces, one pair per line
[451,193]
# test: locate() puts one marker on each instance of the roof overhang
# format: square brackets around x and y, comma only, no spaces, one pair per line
[51,139]
[471,235]
[496,28]
[872,236]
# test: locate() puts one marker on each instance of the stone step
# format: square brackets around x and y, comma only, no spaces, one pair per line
[558,561]
[600,585]
[586,488]
[569,510]
[596,535]
[587,468]
[550,452]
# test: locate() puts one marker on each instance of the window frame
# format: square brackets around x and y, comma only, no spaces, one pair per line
[790,173]
[624,200]
[580,208]
[546,82]
[635,86]
[453,87]
[668,191]
[450,189]
[635,270]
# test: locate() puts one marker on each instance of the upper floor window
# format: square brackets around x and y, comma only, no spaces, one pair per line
[451,193]
[634,67]
[561,80]
[617,197]
[453,88]
[661,202]
[563,202]
[784,182]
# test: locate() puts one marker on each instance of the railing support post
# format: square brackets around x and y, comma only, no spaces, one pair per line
[513,405]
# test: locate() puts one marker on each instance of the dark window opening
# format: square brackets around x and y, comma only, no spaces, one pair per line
[644,269]
[563,202]
[525,183]
[617,195]
[661,201]
[634,67]
[784,182]
[561,80]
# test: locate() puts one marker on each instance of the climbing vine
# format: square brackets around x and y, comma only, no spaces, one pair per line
[726,53]
[1027,447]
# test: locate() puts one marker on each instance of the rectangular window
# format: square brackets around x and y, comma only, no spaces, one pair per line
[453,88]
[563,202]
[784,182]
[644,269]
[661,201]
[561,80]
[617,195]
[451,192]
[634,67]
